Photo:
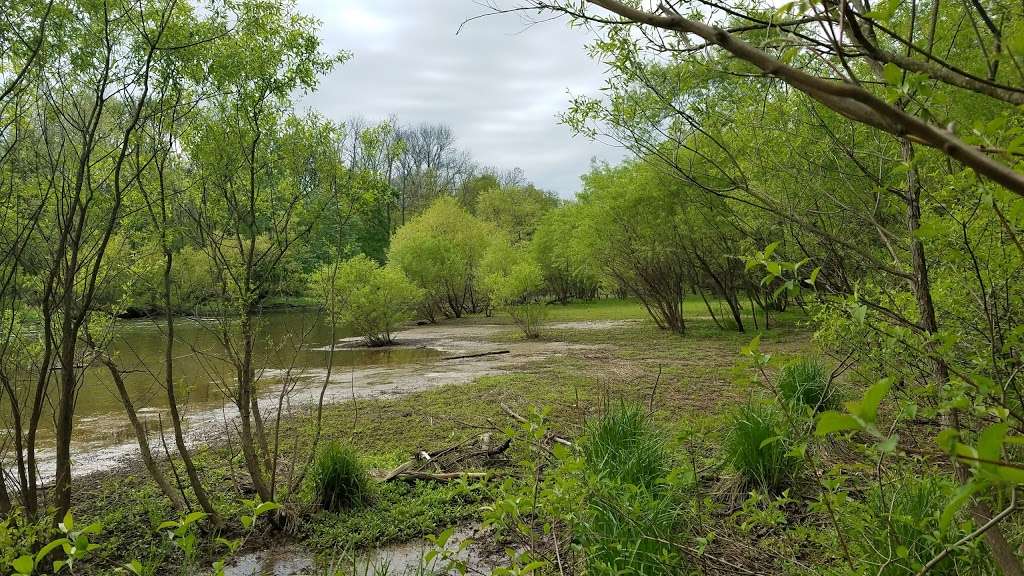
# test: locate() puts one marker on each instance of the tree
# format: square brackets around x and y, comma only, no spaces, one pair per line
[440,251]
[516,209]
[366,298]
[264,177]
[873,206]
[556,247]
[515,283]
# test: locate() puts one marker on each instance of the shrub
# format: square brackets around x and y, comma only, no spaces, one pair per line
[805,382]
[367,299]
[897,530]
[440,251]
[339,479]
[514,282]
[756,449]
[624,445]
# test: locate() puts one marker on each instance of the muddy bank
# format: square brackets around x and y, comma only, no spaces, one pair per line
[102,443]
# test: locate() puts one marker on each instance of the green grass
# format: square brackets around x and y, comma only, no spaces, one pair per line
[805,382]
[624,445]
[756,449]
[339,480]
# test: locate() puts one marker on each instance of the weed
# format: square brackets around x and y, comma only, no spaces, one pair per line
[756,448]
[806,382]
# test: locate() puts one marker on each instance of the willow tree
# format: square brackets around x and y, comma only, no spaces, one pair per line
[259,191]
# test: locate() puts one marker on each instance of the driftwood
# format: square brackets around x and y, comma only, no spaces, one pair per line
[443,464]
[517,417]
[478,355]
[440,476]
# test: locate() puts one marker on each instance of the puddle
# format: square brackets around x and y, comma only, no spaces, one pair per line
[395,560]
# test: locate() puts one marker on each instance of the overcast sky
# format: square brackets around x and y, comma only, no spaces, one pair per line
[499,84]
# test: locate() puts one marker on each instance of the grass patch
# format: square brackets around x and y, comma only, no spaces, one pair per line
[339,479]
[690,380]
[756,448]
[805,382]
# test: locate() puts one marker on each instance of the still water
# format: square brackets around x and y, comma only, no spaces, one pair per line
[293,347]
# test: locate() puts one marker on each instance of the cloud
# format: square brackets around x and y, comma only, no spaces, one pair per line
[499,84]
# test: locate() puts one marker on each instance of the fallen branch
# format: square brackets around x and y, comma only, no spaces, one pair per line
[439,476]
[478,355]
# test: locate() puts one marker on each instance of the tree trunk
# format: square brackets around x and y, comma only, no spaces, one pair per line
[143,438]
[172,402]
[1002,552]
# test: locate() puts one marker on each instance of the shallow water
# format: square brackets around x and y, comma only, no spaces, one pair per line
[405,558]
[293,347]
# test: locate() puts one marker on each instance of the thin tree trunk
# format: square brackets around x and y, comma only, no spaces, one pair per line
[1001,550]
[140,434]
[172,401]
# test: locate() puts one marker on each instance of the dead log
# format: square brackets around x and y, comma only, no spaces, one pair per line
[439,476]
[478,355]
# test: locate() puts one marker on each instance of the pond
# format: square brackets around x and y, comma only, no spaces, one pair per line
[293,347]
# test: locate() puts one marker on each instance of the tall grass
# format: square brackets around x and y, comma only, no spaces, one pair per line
[806,382]
[756,448]
[339,479]
[631,515]
[624,445]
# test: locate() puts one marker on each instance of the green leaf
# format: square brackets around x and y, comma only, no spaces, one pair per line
[829,422]
[769,441]
[23,564]
[45,550]
[889,444]
[192,518]
[892,74]
[265,507]
[814,276]
[867,408]
[68,524]
[990,441]
[959,499]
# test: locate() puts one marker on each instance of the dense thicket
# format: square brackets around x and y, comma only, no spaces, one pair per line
[864,161]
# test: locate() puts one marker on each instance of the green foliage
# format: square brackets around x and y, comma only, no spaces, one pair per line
[340,481]
[557,247]
[368,299]
[440,251]
[513,281]
[515,209]
[896,530]
[624,445]
[756,448]
[806,382]
[631,512]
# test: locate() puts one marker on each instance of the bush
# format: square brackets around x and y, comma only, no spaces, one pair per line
[339,479]
[897,530]
[440,251]
[805,382]
[514,282]
[756,449]
[367,299]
